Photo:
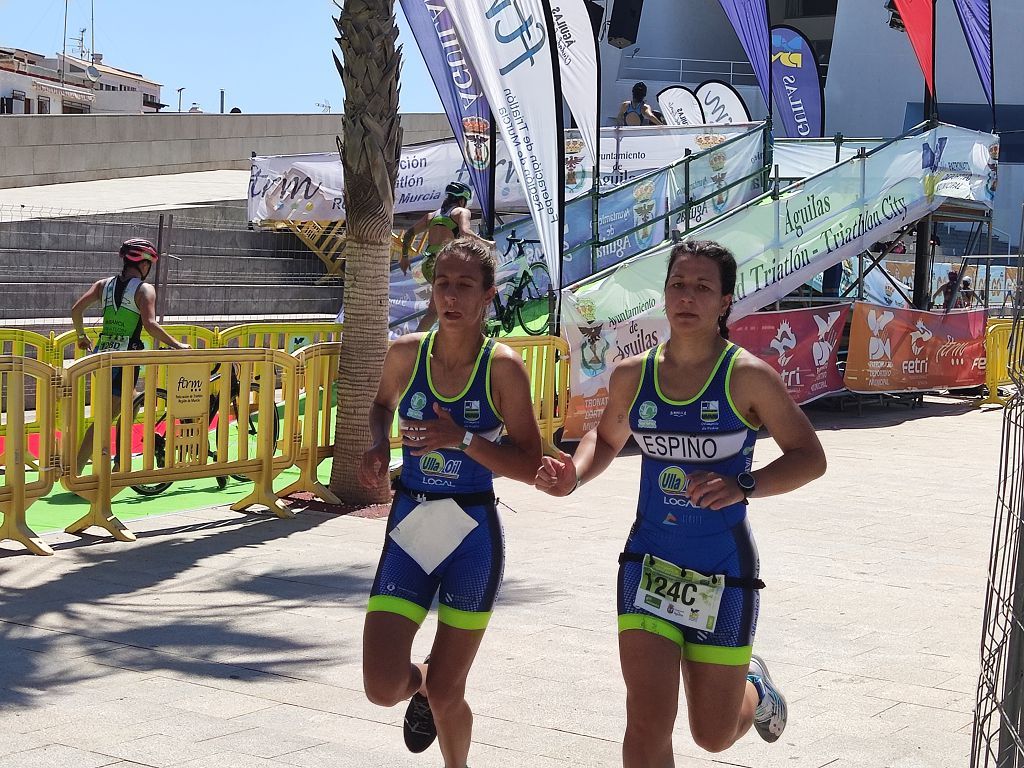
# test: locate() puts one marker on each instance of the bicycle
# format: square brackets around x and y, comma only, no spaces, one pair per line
[523,305]
[160,426]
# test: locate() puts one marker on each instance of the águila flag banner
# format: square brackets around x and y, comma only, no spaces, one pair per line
[976,20]
[578,66]
[909,350]
[459,88]
[511,43]
[919,19]
[796,84]
[679,105]
[750,20]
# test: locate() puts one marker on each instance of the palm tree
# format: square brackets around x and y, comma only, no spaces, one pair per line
[369,154]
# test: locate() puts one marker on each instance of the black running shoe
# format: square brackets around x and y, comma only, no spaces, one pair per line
[419,729]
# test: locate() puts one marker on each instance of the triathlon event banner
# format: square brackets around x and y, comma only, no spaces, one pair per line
[908,350]
[801,344]
[818,224]
[311,187]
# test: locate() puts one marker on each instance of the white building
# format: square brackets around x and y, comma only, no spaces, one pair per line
[873,87]
[31,83]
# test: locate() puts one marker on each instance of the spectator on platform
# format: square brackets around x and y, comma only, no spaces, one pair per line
[638,111]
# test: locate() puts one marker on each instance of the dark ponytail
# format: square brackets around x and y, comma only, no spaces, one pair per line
[726,262]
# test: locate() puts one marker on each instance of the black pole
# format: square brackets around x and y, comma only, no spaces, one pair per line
[922,264]
[491,180]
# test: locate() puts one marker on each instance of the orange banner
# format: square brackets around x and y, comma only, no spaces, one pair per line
[906,350]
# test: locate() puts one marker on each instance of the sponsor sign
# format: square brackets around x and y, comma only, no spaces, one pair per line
[679,105]
[801,344]
[906,350]
[510,43]
[721,103]
[188,390]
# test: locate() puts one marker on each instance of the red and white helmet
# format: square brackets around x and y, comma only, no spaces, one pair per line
[138,249]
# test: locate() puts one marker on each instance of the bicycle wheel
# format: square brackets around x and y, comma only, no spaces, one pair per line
[251,430]
[535,313]
[159,441]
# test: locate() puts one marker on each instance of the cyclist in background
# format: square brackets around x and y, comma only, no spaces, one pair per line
[129,306]
[450,221]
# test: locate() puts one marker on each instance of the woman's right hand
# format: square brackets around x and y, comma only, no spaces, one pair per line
[373,467]
[556,477]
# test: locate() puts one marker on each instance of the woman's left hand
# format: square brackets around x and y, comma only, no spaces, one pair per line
[711,490]
[426,436]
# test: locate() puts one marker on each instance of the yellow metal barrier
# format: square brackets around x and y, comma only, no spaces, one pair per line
[65,346]
[547,364]
[196,396]
[998,335]
[319,364]
[17,493]
[287,337]
[18,343]
[26,344]
[65,350]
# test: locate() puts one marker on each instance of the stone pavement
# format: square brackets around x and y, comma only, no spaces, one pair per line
[233,641]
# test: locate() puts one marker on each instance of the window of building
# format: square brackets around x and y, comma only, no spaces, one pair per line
[797,8]
[43,105]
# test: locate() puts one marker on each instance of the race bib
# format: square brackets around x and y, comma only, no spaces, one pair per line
[432,531]
[680,595]
[112,344]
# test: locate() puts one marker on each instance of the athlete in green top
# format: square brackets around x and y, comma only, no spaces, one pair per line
[129,306]
[450,221]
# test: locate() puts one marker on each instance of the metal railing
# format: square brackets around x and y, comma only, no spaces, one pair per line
[674,70]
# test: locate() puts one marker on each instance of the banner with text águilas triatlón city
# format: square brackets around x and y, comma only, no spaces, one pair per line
[801,344]
[510,44]
[458,86]
[907,350]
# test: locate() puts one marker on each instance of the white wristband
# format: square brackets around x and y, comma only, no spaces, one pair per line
[466,440]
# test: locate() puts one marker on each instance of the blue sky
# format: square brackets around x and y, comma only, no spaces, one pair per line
[268,56]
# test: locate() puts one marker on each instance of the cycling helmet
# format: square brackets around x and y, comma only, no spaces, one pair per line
[138,249]
[458,189]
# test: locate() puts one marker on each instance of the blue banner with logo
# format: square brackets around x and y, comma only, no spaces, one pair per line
[459,88]
[976,20]
[796,85]
[750,20]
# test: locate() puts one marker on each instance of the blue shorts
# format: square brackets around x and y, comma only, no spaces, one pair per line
[732,553]
[116,376]
[469,578]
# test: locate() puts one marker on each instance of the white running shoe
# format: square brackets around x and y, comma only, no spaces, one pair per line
[771,713]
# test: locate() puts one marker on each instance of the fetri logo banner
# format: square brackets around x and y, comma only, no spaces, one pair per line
[801,344]
[906,350]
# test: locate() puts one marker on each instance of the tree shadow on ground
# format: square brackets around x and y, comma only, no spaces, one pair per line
[139,598]
[161,605]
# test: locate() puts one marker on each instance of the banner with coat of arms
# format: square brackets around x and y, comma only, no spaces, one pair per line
[458,85]
[711,175]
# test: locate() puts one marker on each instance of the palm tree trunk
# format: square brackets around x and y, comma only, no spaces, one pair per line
[369,154]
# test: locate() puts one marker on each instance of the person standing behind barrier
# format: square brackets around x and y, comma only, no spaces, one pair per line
[948,290]
[454,390]
[129,306]
[688,577]
[637,111]
[450,221]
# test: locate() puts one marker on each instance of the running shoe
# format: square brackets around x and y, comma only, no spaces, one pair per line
[771,713]
[419,729]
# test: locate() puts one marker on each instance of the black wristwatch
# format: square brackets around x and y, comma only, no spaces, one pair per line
[747,484]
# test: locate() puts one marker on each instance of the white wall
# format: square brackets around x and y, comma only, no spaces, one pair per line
[50,149]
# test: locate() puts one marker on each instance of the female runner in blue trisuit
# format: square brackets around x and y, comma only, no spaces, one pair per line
[688,576]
